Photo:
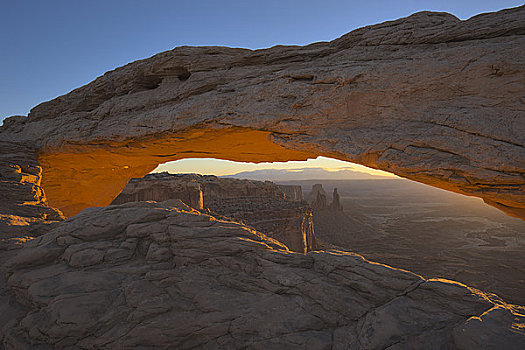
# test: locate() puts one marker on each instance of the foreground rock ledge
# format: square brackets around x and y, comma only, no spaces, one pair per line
[157,275]
[427,97]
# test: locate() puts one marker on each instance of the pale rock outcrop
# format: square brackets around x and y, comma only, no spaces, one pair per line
[428,97]
[162,275]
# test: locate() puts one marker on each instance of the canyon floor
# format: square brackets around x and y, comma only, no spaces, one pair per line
[429,231]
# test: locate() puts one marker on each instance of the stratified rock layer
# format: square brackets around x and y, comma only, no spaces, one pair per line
[162,275]
[291,223]
[23,206]
[292,193]
[263,205]
[427,97]
[161,188]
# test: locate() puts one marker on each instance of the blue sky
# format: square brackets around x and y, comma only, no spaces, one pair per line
[51,47]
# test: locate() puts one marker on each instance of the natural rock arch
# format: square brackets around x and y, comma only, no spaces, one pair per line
[428,97]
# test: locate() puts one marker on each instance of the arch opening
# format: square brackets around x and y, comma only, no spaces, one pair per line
[79,176]
[402,223]
[83,176]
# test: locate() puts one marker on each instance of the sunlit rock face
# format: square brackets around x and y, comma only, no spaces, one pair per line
[162,275]
[427,97]
[260,204]
[23,206]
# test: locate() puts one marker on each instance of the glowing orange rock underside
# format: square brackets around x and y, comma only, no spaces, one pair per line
[78,177]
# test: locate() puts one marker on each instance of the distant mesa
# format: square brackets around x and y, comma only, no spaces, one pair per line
[316,192]
[348,173]
[278,211]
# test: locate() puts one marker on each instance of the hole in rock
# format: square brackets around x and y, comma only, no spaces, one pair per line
[149,82]
[388,219]
[405,224]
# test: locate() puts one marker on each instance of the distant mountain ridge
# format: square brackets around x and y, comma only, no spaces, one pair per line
[306,174]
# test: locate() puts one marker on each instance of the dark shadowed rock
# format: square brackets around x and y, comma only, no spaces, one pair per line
[336,201]
[24,210]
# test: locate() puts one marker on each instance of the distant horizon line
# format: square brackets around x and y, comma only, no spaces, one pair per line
[292,170]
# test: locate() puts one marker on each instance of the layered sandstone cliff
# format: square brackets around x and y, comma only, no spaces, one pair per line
[23,207]
[278,211]
[428,97]
[161,188]
[292,193]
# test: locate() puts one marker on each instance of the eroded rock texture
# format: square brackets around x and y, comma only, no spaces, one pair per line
[427,97]
[162,275]
[23,206]
[261,204]
[292,193]
[159,188]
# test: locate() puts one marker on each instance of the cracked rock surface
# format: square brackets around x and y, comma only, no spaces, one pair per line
[148,275]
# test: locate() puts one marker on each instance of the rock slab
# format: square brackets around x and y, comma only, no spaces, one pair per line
[163,275]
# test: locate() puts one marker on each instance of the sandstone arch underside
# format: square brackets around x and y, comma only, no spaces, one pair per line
[428,97]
